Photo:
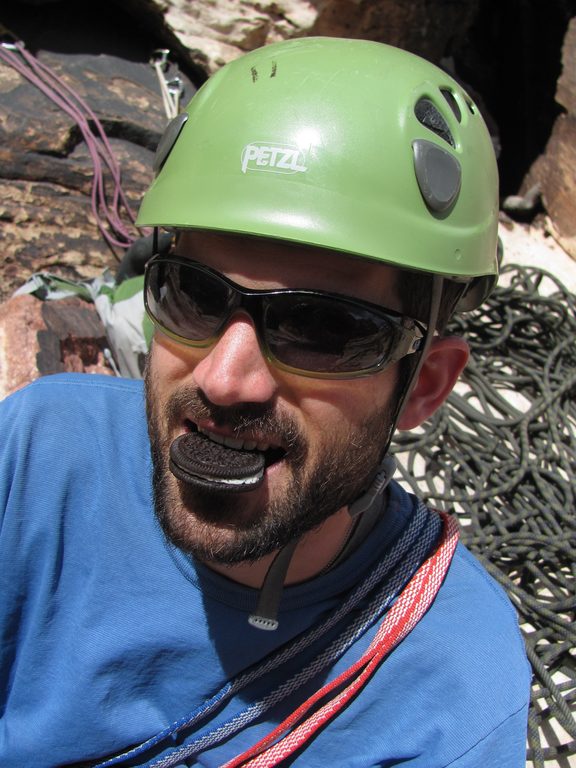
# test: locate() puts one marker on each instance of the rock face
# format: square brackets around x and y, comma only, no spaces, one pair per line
[46,168]
[555,170]
[49,202]
[216,32]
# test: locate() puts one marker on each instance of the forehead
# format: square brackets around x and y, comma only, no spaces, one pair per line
[265,263]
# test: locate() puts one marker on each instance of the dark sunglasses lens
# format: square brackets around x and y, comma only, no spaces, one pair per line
[186,301]
[323,335]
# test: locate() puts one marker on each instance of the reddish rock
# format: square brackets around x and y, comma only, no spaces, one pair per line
[20,322]
[555,170]
[43,337]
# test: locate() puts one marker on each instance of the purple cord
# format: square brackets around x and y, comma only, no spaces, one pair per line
[98,145]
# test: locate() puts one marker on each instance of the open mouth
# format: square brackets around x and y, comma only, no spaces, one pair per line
[223,463]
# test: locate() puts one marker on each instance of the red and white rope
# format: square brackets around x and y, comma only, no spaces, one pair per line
[410,607]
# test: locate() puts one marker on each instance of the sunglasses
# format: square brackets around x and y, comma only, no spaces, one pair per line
[311,333]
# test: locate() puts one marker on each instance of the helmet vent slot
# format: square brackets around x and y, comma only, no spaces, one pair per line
[452,103]
[430,116]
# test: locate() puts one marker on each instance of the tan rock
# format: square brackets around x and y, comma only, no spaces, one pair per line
[566,91]
[47,169]
[217,32]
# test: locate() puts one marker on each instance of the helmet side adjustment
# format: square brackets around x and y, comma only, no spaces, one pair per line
[439,176]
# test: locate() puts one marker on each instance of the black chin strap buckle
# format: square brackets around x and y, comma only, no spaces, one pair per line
[266,614]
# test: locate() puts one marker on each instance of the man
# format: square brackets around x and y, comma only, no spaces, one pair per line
[332,202]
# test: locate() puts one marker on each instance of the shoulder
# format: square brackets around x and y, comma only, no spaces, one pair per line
[70,423]
[460,681]
[481,637]
[470,591]
[65,397]
[72,385]
[454,692]
[470,580]
[466,661]
[472,626]
[471,609]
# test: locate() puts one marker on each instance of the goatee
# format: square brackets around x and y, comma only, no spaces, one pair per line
[227,528]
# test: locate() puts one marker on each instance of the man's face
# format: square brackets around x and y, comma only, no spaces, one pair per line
[322,439]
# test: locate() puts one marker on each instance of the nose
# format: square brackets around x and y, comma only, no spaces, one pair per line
[234,371]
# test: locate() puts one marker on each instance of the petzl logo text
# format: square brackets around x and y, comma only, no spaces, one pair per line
[275,158]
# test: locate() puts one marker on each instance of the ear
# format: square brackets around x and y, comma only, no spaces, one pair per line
[444,362]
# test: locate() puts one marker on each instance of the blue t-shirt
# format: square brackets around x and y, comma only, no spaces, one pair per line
[108,634]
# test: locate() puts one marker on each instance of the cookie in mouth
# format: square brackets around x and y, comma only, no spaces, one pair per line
[196,459]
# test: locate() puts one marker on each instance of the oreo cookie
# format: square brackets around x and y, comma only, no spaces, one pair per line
[197,460]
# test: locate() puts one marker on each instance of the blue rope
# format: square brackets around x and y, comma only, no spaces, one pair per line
[199,713]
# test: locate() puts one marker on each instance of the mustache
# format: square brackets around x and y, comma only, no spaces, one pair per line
[256,417]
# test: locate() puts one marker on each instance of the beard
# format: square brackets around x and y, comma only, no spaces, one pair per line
[230,528]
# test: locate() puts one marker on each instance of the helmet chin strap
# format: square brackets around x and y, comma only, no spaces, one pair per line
[365,510]
[435,300]
[266,614]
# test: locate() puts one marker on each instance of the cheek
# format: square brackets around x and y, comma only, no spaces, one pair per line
[170,362]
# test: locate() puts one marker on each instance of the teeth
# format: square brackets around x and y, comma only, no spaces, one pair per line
[232,442]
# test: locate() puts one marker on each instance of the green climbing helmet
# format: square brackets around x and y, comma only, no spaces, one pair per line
[349,145]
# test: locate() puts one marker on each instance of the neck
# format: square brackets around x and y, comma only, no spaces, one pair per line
[315,551]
